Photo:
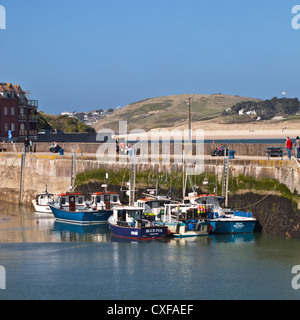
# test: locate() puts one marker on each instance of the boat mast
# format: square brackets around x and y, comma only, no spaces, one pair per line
[132,177]
[73,169]
[225,177]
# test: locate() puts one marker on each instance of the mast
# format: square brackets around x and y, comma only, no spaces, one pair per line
[225,177]
[132,177]
[73,169]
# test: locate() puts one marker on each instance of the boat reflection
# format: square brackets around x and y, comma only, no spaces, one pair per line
[236,238]
[81,233]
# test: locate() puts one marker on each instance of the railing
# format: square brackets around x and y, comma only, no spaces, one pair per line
[28,103]
[33,118]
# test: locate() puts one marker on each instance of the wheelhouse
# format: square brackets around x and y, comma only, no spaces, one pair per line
[71,201]
[105,200]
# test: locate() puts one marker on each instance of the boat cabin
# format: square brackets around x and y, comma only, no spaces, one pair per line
[71,201]
[132,216]
[155,206]
[43,199]
[105,200]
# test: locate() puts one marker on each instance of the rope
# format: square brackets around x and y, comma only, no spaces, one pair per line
[254,204]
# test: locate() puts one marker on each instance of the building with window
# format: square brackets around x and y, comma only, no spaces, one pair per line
[17,113]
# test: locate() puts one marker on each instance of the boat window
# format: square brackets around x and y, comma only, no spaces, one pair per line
[98,199]
[80,200]
[106,198]
[115,198]
[63,200]
[155,204]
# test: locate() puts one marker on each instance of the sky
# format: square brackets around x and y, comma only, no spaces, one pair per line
[85,55]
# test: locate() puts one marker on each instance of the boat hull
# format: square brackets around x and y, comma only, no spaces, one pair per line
[41,208]
[145,233]
[192,230]
[228,226]
[81,217]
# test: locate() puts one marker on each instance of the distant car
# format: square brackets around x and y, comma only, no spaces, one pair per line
[56,131]
[51,131]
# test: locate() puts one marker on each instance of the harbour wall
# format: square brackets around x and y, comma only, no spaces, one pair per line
[55,172]
[244,149]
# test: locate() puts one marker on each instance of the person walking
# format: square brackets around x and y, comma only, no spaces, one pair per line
[297,146]
[289,146]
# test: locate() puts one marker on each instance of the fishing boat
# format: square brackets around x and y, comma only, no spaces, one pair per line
[155,205]
[42,201]
[131,222]
[184,221]
[105,200]
[222,220]
[71,207]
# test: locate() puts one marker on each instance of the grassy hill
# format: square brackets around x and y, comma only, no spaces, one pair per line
[170,111]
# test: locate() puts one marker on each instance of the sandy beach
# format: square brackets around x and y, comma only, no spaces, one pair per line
[217,131]
[254,130]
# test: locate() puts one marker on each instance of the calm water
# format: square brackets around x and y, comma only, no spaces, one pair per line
[45,259]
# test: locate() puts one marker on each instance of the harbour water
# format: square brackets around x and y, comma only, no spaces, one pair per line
[44,259]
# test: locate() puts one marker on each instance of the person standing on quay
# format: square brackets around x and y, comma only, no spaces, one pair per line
[289,146]
[26,144]
[297,146]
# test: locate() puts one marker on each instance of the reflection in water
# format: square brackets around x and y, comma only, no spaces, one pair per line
[23,224]
[77,264]
[81,233]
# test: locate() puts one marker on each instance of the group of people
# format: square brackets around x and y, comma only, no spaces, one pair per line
[54,147]
[28,144]
[219,151]
[289,147]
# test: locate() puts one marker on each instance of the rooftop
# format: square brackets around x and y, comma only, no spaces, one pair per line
[8,87]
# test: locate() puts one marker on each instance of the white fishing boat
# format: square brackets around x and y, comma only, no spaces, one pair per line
[184,221]
[105,200]
[42,201]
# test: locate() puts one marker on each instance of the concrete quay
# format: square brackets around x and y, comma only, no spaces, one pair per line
[55,170]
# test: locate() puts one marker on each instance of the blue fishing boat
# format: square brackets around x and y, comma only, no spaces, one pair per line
[130,222]
[71,207]
[222,220]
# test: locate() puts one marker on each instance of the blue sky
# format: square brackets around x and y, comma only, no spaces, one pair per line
[81,55]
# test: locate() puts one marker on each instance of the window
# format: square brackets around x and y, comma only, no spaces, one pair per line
[22,111]
[5,111]
[5,127]
[13,128]
[12,111]
[80,200]
[22,126]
